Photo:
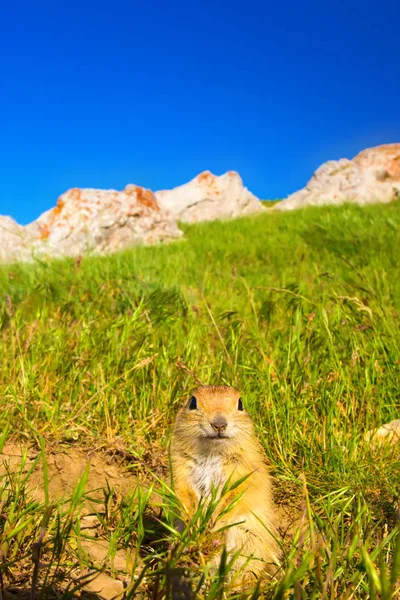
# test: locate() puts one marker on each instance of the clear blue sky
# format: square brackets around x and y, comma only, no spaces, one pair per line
[101,94]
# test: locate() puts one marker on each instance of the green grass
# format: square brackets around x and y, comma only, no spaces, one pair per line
[299,310]
[269,203]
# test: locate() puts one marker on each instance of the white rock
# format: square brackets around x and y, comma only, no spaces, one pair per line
[14,240]
[89,220]
[208,197]
[101,221]
[104,586]
[372,176]
[388,433]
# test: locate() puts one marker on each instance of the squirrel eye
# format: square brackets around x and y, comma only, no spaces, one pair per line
[240,404]
[192,403]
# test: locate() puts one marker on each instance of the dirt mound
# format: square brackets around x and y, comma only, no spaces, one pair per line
[92,564]
[65,466]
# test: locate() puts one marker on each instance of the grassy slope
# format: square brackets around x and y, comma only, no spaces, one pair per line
[299,310]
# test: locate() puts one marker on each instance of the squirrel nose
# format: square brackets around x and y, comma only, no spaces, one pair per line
[219,423]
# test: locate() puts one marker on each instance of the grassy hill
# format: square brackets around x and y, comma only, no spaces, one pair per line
[298,310]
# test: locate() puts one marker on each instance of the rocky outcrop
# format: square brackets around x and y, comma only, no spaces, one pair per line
[208,197]
[89,221]
[15,241]
[101,221]
[372,176]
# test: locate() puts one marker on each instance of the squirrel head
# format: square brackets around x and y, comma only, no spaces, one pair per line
[214,415]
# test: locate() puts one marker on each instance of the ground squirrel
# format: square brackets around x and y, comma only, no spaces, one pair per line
[213,440]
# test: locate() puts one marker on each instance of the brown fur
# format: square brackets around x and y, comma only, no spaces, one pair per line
[199,460]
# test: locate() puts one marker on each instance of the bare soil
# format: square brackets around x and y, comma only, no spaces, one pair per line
[65,466]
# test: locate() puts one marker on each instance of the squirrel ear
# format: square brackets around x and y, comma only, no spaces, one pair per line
[240,404]
[192,403]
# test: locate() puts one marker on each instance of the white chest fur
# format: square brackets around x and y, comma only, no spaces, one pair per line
[206,472]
